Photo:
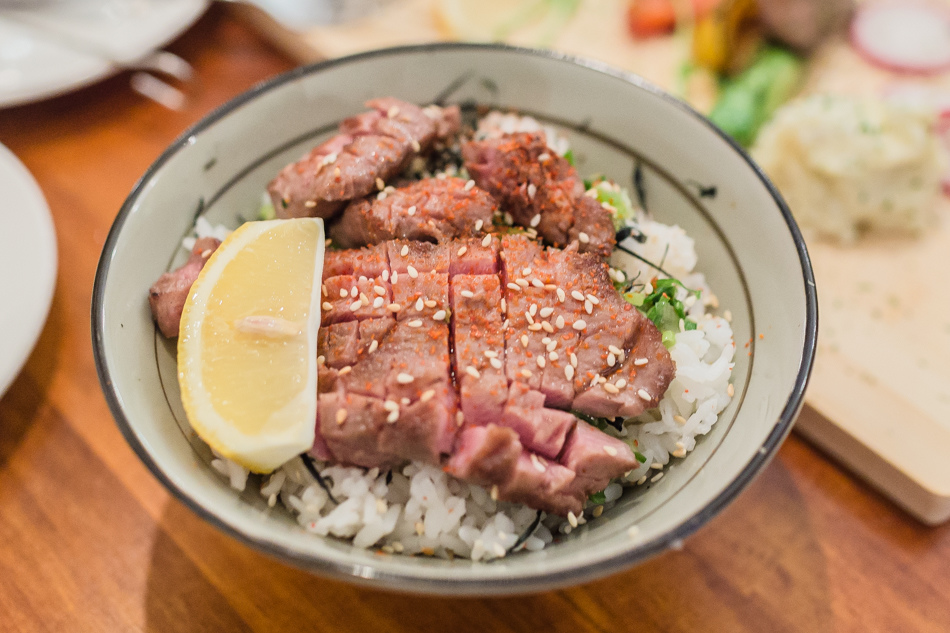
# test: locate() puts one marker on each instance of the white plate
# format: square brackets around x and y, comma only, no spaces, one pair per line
[27,265]
[48,47]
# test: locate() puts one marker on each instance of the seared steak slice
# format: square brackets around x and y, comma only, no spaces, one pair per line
[430,210]
[375,145]
[595,458]
[541,430]
[542,484]
[485,455]
[540,190]
[167,296]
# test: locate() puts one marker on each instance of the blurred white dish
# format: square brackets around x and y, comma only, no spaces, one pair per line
[27,265]
[48,47]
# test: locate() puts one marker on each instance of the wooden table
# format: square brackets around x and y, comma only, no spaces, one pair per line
[90,541]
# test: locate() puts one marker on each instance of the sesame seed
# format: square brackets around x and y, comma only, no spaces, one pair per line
[412,271]
[430,303]
[508,219]
[610,450]
[392,417]
[568,372]
[495,363]
[504,305]
[643,393]
[373,345]
[560,295]
[553,356]
[580,324]
[588,307]
[572,519]
[469,185]
[487,240]
[327,305]
[341,416]
[656,478]
[543,157]
[489,353]
[536,220]
[427,395]
[380,184]
[559,322]
[537,283]
[546,312]
[621,383]
[419,304]
[356,305]
[611,388]
[522,282]
[613,349]
[414,323]
[493,493]
[391,405]
[378,302]
[535,327]
[679,419]
[415,146]
[541,362]
[310,204]
[551,345]
[533,310]
[499,550]
[730,390]
[321,359]
[640,362]
[345,370]
[404,379]
[379,290]
[527,315]
[536,462]
[593,299]
[462,250]
[459,418]
[597,511]
[385,275]
[394,307]
[411,210]
[344,293]
[395,276]
[550,287]
[524,340]
[364,299]
[527,373]
[532,189]
[611,360]
[471,371]
[574,360]
[547,327]
[479,224]
[439,316]
[583,237]
[392,112]
[577,295]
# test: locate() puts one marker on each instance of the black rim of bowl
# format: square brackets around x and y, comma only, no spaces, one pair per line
[512,584]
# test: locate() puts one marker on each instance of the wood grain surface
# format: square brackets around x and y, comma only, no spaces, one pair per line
[90,541]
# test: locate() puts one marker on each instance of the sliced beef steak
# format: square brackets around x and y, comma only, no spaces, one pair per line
[471,352]
[167,296]
[540,190]
[430,210]
[371,146]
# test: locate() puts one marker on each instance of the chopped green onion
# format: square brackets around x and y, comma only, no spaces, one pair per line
[598,497]
[640,457]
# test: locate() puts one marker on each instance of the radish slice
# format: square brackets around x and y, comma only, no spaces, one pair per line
[907,37]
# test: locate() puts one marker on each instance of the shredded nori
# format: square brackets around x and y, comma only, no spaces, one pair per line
[527,533]
[309,463]
[642,259]
[638,185]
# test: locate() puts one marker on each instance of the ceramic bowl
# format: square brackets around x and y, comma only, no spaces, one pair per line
[691,175]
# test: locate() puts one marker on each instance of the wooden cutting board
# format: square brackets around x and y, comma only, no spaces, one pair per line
[880,392]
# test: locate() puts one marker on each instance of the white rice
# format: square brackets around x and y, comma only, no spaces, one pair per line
[422,510]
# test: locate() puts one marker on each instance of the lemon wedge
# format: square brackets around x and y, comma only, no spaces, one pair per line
[247,352]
